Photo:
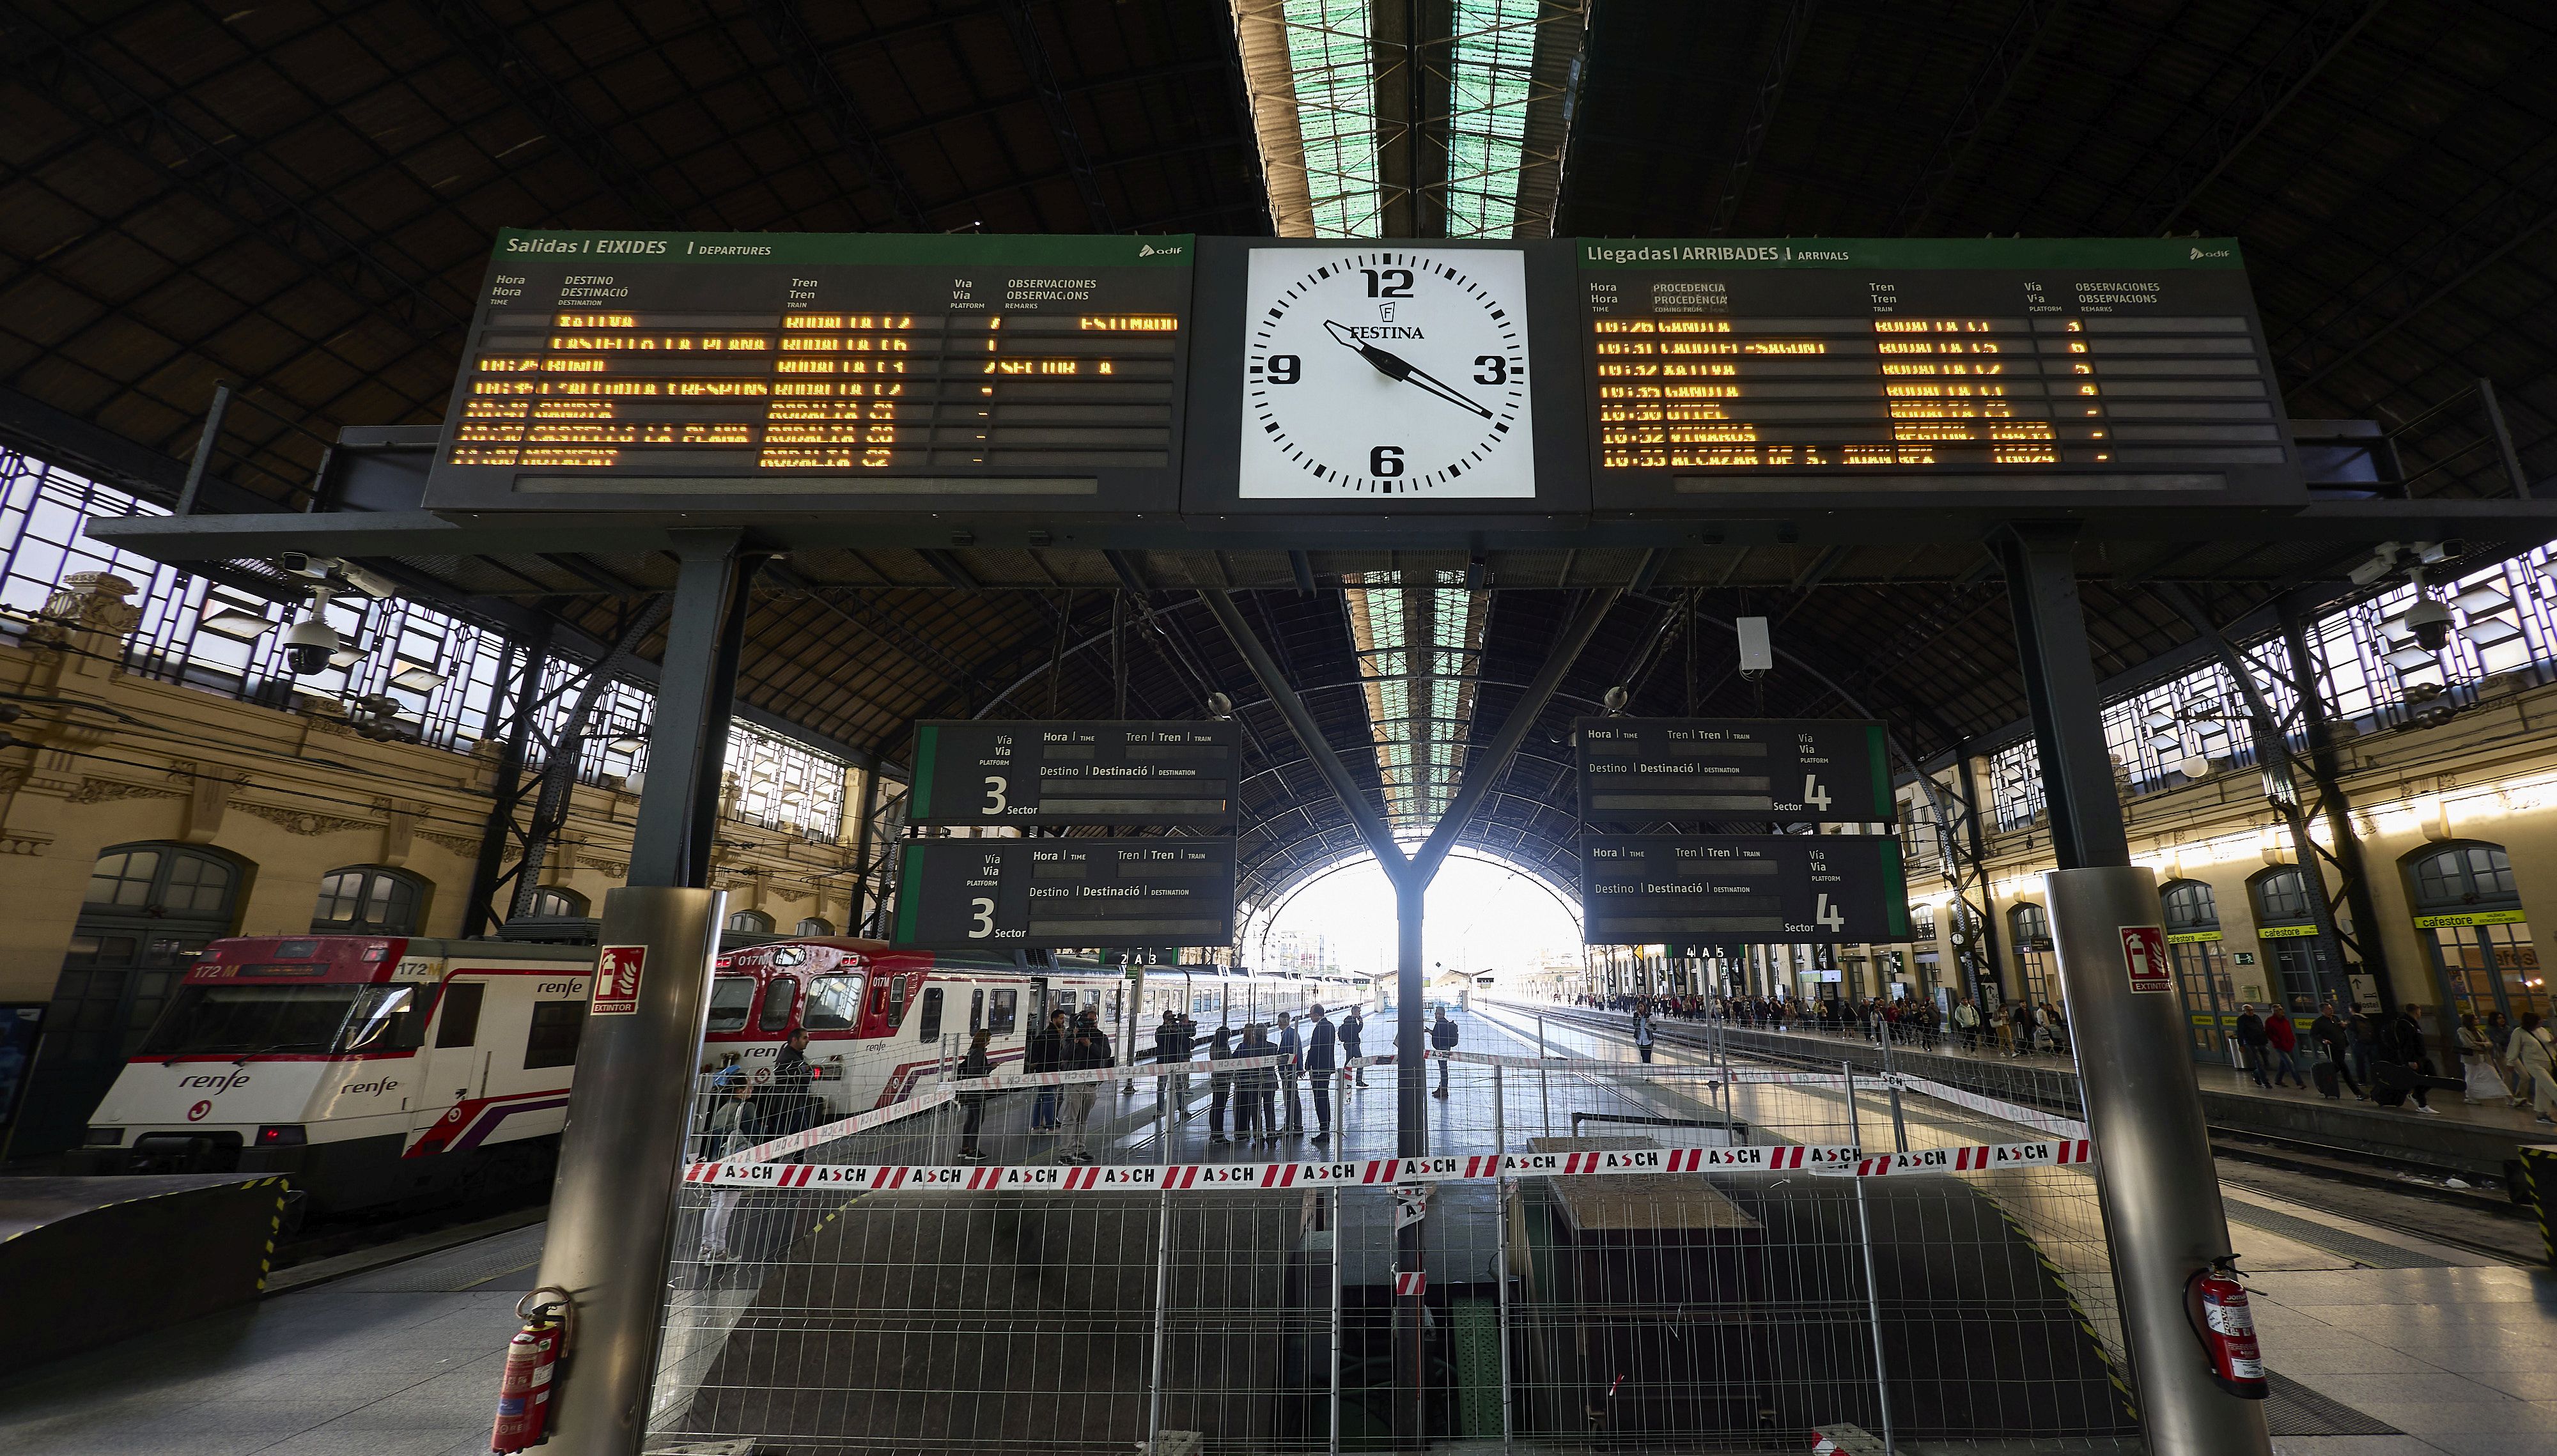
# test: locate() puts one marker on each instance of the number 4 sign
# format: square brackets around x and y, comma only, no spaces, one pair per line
[2144,958]
[617,980]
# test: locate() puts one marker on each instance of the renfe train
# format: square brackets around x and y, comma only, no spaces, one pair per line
[388,1070]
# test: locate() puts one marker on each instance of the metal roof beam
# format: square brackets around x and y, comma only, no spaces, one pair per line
[1051,99]
[2236,125]
[1762,112]
[787,30]
[1990,85]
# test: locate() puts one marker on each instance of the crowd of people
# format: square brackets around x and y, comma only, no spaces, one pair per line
[2339,1050]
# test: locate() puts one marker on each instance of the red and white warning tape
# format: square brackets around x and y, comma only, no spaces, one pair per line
[1410,1283]
[1209,1177]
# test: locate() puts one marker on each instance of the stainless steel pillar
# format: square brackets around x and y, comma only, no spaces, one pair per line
[1412,1140]
[2160,1192]
[612,1207]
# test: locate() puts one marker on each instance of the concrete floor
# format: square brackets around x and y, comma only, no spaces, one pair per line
[2457,1351]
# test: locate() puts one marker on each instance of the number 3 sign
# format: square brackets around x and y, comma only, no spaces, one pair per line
[617,980]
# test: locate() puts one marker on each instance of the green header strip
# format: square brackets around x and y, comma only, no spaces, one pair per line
[2147,254]
[910,250]
[1895,890]
[909,893]
[927,746]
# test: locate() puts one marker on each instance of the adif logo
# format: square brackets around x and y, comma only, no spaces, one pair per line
[216,1084]
[1148,250]
[2199,254]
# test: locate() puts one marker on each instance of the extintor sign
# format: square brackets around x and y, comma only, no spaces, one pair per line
[617,980]
[2144,958]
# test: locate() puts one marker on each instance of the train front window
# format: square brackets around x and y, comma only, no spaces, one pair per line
[731,1001]
[834,1004]
[253,1020]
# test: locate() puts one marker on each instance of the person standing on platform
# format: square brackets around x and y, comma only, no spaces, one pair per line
[2499,1036]
[1045,1053]
[1967,1022]
[2401,1050]
[1290,1047]
[1220,1084]
[1353,1027]
[1443,1038]
[2532,1053]
[1088,1049]
[2020,1020]
[2476,1064]
[1171,1046]
[2331,1038]
[731,1131]
[972,1104]
[1643,1037]
[1253,1100]
[2252,1039]
[2281,1039]
[2361,1038]
[1321,1045]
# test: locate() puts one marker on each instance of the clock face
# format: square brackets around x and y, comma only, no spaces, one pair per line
[1391,374]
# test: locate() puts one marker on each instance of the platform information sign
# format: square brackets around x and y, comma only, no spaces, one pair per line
[1650,890]
[1926,368]
[1065,893]
[1170,774]
[1655,770]
[665,372]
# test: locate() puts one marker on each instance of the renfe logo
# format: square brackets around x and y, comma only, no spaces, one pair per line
[617,980]
[216,1084]
[368,1089]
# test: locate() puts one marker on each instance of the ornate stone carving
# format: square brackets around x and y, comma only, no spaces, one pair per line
[94,600]
[303,821]
[617,869]
[14,842]
[455,844]
[102,790]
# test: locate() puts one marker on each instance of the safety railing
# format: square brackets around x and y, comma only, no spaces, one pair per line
[1615,1257]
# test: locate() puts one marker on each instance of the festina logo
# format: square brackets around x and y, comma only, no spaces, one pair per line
[1383,330]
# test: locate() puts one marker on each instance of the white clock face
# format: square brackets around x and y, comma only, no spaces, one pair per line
[1386,372]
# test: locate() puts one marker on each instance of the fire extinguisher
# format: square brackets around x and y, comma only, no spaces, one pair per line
[524,1391]
[2217,1304]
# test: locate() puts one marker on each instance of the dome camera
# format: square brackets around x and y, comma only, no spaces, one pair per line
[310,644]
[2430,621]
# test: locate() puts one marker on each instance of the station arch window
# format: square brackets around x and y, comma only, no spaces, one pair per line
[370,899]
[550,899]
[815,925]
[2030,926]
[2468,913]
[2202,980]
[751,922]
[2299,972]
[150,907]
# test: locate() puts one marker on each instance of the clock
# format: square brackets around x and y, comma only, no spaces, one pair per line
[1386,373]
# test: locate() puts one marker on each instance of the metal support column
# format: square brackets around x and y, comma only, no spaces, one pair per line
[205,444]
[2325,765]
[532,660]
[2160,1193]
[612,1207]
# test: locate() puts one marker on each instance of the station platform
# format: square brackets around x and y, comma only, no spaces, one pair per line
[2459,1138]
[2383,1343]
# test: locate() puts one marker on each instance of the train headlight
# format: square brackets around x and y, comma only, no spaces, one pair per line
[104,1137]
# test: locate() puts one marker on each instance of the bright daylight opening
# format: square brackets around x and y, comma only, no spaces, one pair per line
[1485,916]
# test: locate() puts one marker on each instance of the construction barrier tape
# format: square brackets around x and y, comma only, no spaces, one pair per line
[1210,1177]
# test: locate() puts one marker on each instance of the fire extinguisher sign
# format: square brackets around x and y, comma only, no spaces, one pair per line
[617,980]
[2144,958]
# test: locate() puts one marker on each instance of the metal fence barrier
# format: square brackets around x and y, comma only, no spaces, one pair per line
[1728,1308]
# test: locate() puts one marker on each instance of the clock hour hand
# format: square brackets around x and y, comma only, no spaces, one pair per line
[1395,366]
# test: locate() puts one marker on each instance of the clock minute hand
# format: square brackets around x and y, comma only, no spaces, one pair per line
[1395,366]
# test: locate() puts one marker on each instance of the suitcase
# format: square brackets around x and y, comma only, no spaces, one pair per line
[2327,1080]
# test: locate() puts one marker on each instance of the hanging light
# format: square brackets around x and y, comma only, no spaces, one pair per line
[627,744]
[2193,765]
[238,626]
[416,679]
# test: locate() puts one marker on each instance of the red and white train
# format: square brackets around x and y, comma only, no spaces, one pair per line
[378,1070]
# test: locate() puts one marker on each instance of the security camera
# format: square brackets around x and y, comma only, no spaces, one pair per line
[366,579]
[2430,621]
[310,641]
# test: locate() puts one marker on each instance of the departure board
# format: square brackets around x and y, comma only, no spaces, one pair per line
[972,772]
[1811,770]
[675,371]
[1064,893]
[1928,366]
[1650,889]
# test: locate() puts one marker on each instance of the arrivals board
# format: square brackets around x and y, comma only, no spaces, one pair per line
[674,371]
[1652,889]
[1171,774]
[1653,770]
[1064,893]
[1927,368]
